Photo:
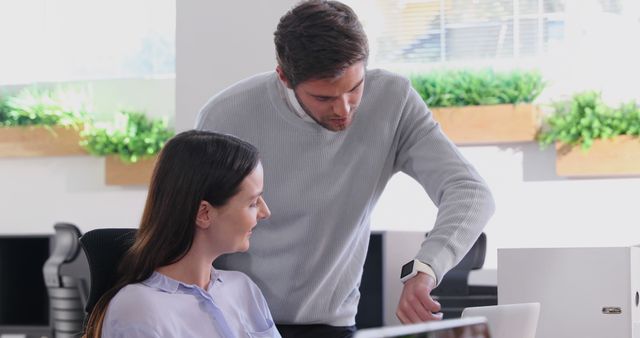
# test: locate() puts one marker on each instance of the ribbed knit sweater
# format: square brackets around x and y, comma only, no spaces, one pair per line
[322,186]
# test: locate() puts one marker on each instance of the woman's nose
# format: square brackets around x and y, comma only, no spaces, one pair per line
[264,211]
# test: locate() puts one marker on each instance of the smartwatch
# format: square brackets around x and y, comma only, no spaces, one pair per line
[412,268]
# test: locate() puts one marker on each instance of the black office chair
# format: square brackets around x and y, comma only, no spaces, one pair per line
[66,283]
[454,292]
[104,248]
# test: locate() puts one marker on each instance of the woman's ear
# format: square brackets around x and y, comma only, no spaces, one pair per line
[204,218]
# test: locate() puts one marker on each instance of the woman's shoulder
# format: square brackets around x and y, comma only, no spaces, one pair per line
[133,309]
[239,281]
[131,298]
[135,290]
[234,276]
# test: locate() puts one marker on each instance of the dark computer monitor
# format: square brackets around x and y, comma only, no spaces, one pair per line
[24,304]
[370,308]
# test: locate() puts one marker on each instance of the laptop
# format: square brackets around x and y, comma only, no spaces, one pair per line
[508,320]
[470,327]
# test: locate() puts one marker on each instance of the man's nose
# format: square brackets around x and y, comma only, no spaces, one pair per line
[341,107]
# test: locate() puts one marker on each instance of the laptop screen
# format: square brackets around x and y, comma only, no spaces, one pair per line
[471,327]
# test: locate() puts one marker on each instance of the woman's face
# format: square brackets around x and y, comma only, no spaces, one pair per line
[233,222]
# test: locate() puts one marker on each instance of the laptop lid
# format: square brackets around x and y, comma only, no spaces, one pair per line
[508,320]
[471,327]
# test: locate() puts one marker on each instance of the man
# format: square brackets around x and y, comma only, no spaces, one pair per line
[331,134]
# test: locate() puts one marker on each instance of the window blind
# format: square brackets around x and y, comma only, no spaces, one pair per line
[425,31]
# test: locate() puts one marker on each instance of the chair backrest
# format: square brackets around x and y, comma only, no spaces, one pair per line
[66,282]
[474,259]
[455,281]
[454,292]
[104,249]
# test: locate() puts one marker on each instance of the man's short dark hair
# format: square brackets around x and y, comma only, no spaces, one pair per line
[319,39]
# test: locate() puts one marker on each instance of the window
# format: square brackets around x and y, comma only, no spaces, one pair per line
[63,40]
[424,31]
[577,44]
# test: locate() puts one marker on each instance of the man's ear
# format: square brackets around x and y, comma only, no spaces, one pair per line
[282,77]
[204,218]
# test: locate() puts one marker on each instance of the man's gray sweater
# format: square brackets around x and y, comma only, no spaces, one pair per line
[322,186]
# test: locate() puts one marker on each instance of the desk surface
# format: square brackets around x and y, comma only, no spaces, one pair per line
[483,277]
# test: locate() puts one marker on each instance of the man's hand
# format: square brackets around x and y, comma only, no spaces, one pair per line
[416,304]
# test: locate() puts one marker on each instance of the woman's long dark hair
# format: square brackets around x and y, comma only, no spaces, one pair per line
[193,166]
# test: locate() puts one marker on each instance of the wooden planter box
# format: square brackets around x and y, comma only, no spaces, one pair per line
[121,173]
[32,141]
[505,123]
[619,156]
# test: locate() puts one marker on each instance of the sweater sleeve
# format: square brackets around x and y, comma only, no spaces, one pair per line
[463,199]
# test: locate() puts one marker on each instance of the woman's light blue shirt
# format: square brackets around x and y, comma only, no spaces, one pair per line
[231,307]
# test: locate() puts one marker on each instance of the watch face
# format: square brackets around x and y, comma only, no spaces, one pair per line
[406,269]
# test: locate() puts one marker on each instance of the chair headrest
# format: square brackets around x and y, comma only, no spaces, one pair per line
[65,250]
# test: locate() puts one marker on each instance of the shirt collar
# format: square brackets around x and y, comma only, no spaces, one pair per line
[170,285]
[290,98]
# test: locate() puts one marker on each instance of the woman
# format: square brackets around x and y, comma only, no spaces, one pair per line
[204,200]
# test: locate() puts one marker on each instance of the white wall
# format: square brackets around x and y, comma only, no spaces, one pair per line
[220,43]
[37,192]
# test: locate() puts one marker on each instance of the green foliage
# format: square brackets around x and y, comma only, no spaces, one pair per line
[131,135]
[586,118]
[3,110]
[451,88]
[32,106]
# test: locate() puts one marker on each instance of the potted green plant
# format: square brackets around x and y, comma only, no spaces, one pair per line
[41,122]
[483,106]
[130,142]
[592,138]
